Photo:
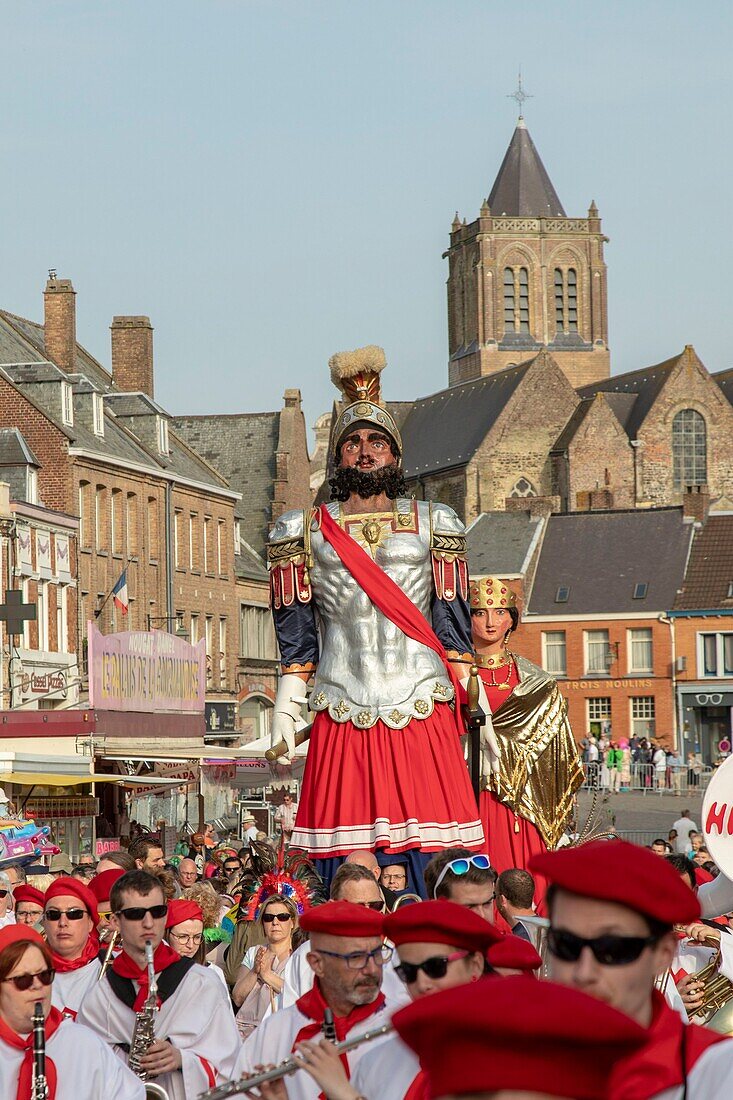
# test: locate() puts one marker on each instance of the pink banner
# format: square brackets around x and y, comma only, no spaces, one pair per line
[146,671]
[105,845]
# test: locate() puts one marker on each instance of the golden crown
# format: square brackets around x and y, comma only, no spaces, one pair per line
[490,592]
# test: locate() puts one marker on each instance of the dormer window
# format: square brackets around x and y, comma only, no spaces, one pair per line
[67,405]
[162,435]
[98,413]
[32,485]
[237,537]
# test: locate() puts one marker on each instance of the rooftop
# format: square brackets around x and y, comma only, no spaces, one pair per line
[523,188]
[709,574]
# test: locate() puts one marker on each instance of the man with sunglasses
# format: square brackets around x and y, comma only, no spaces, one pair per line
[347,955]
[440,946]
[196,1039]
[460,876]
[612,908]
[70,921]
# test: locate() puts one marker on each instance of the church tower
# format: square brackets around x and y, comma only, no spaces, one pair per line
[523,275]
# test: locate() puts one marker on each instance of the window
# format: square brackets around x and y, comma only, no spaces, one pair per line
[516,299]
[640,591]
[642,715]
[715,654]
[220,537]
[67,405]
[256,633]
[237,537]
[209,644]
[596,651]
[32,485]
[222,652]
[194,631]
[162,435]
[131,524]
[24,588]
[42,615]
[599,714]
[100,517]
[689,449]
[193,541]
[62,619]
[523,488]
[641,658]
[115,520]
[208,548]
[566,300]
[85,530]
[177,525]
[153,534]
[563,594]
[554,653]
[98,413]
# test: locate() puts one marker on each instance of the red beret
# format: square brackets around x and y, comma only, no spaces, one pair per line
[513,953]
[517,1033]
[101,885]
[28,893]
[613,870]
[342,918]
[14,933]
[440,922]
[65,887]
[181,909]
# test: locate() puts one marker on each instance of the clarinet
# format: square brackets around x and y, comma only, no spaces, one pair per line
[39,1081]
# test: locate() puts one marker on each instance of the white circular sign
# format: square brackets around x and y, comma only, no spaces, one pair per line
[717,817]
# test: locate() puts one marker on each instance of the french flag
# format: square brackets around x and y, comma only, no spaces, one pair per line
[119,593]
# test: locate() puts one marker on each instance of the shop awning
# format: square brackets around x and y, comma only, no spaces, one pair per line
[52,779]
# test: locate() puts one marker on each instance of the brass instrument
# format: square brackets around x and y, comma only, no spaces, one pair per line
[155,1092]
[716,1011]
[39,1081]
[244,1084]
[143,1033]
[108,954]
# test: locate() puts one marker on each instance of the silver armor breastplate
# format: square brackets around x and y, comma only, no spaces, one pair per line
[368,669]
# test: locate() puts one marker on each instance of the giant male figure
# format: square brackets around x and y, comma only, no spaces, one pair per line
[370,596]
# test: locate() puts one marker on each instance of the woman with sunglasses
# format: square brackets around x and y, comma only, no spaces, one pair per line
[531,766]
[78,1064]
[7,916]
[70,920]
[261,977]
[440,946]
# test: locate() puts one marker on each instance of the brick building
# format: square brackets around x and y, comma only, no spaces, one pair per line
[701,623]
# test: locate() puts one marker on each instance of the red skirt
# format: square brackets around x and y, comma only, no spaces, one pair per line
[511,840]
[386,788]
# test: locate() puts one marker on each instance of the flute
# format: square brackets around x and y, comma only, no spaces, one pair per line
[244,1084]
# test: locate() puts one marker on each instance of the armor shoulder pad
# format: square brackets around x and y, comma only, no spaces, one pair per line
[446,521]
[289,526]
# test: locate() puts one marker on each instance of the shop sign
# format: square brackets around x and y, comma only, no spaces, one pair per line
[105,845]
[600,685]
[713,699]
[220,716]
[146,671]
[51,684]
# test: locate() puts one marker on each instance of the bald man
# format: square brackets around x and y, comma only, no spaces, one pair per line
[187,872]
[369,861]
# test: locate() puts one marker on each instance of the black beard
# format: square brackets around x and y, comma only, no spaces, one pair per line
[366,483]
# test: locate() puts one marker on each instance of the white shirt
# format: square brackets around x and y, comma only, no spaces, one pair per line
[711,1078]
[9,918]
[684,827]
[85,1067]
[592,753]
[197,1019]
[386,1070]
[69,989]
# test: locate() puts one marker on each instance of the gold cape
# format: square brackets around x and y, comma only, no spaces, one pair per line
[540,765]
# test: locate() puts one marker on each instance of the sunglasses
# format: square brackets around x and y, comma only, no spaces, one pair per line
[25,981]
[462,867]
[4,893]
[70,914]
[268,918]
[607,950]
[376,906]
[137,913]
[435,967]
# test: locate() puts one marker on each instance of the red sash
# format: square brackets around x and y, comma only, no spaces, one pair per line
[387,597]
[90,951]
[419,1089]
[126,967]
[313,1005]
[657,1065]
[25,1076]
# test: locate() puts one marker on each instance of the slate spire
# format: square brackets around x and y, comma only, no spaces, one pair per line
[522,187]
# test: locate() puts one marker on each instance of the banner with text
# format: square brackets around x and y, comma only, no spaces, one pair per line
[146,671]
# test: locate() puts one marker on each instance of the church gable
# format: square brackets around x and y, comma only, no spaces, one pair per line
[599,462]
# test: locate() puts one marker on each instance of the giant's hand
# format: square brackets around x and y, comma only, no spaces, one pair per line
[287,711]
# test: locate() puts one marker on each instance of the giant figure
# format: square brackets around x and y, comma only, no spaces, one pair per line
[531,764]
[370,597]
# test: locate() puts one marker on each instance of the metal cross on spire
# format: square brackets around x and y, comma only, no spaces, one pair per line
[520,95]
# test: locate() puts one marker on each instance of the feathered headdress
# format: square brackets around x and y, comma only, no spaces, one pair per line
[289,874]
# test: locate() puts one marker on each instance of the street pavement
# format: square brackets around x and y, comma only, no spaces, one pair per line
[635,813]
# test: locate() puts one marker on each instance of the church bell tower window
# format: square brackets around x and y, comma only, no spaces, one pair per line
[516,299]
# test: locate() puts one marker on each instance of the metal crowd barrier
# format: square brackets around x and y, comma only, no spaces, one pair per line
[646,779]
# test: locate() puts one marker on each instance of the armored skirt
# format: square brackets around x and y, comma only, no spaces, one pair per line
[385,765]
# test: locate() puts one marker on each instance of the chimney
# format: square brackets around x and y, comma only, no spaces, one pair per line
[132,354]
[59,322]
[696,502]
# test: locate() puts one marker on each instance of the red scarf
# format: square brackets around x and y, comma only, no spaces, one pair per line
[25,1077]
[387,597]
[657,1065]
[313,1005]
[90,951]
[163,957]
[419,1089]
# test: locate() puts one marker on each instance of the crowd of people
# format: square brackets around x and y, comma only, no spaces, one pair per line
[637,763]
[600,992]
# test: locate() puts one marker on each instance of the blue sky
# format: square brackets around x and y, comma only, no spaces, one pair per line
[274,181]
